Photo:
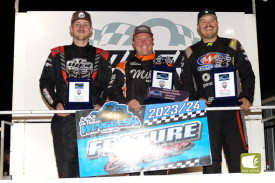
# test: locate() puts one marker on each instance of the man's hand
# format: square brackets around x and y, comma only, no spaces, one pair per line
[246,104]
[134,104]
[97,106]
[60,106]
[206,102]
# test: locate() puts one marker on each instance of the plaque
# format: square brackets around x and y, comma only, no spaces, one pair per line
[163,95]
[225,87]
[161,90]
[79,93]
[162,76]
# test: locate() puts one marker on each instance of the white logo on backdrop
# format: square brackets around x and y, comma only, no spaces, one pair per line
[120,34]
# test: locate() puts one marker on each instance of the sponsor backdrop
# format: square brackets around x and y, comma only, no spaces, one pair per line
[173,32]
[37,32]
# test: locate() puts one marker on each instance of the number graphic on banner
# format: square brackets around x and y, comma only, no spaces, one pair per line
[159,112]
[197,105]
[152,112]
[173,109]
[167,109]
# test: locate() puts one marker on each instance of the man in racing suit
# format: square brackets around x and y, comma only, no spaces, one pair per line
[225,127]
[78,59]
[132,78]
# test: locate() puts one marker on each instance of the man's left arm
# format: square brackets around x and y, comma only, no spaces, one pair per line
[177,82]
[247,77]
[102,79]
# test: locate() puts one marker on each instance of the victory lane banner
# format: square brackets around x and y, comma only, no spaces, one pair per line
[117,139]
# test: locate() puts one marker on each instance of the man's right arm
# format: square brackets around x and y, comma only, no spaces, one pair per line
[117,85]
[47,83]
[186,78]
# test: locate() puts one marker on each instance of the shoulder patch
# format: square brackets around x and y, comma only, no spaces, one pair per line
[233,44]
[57,50]
[121,66]
[104,54]
[188,52]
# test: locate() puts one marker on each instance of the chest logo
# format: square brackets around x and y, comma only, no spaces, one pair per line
[213,58]
[79,66]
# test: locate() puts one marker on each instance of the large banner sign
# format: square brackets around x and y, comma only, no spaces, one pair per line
[117,139]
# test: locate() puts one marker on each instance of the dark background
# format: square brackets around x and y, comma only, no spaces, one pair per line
[265,16]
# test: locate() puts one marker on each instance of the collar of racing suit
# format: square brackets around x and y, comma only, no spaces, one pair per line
[211,44]
[147,57]
[84,48]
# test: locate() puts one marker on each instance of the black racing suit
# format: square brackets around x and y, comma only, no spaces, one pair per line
[131,80]
[64,62]
[225,127]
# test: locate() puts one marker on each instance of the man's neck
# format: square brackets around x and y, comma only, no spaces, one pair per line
[209,40]
[81,43]
[147,57]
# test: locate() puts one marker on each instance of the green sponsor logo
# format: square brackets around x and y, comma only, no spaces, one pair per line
[250,163]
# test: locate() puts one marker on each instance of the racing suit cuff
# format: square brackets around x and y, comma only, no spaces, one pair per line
[248,98]
[99,102]
[56,102]
[196,97]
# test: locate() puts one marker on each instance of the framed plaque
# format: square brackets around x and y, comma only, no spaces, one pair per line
[162,76]
[79,93]
[225,87]
[161,90]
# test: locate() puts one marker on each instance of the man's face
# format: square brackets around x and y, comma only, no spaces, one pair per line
[81,30]
[208,28]
[143,44]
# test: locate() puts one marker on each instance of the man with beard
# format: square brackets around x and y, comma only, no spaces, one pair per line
[77,60]
[225,127]
[132,78]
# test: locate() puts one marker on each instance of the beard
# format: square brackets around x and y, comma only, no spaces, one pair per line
[208,34]
[81,37]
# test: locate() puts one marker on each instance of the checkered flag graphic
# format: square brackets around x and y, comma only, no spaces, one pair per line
[120,34]
[174,118]
[175,165]
[186,36]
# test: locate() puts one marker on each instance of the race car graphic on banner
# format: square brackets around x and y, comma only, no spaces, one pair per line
[117,139]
